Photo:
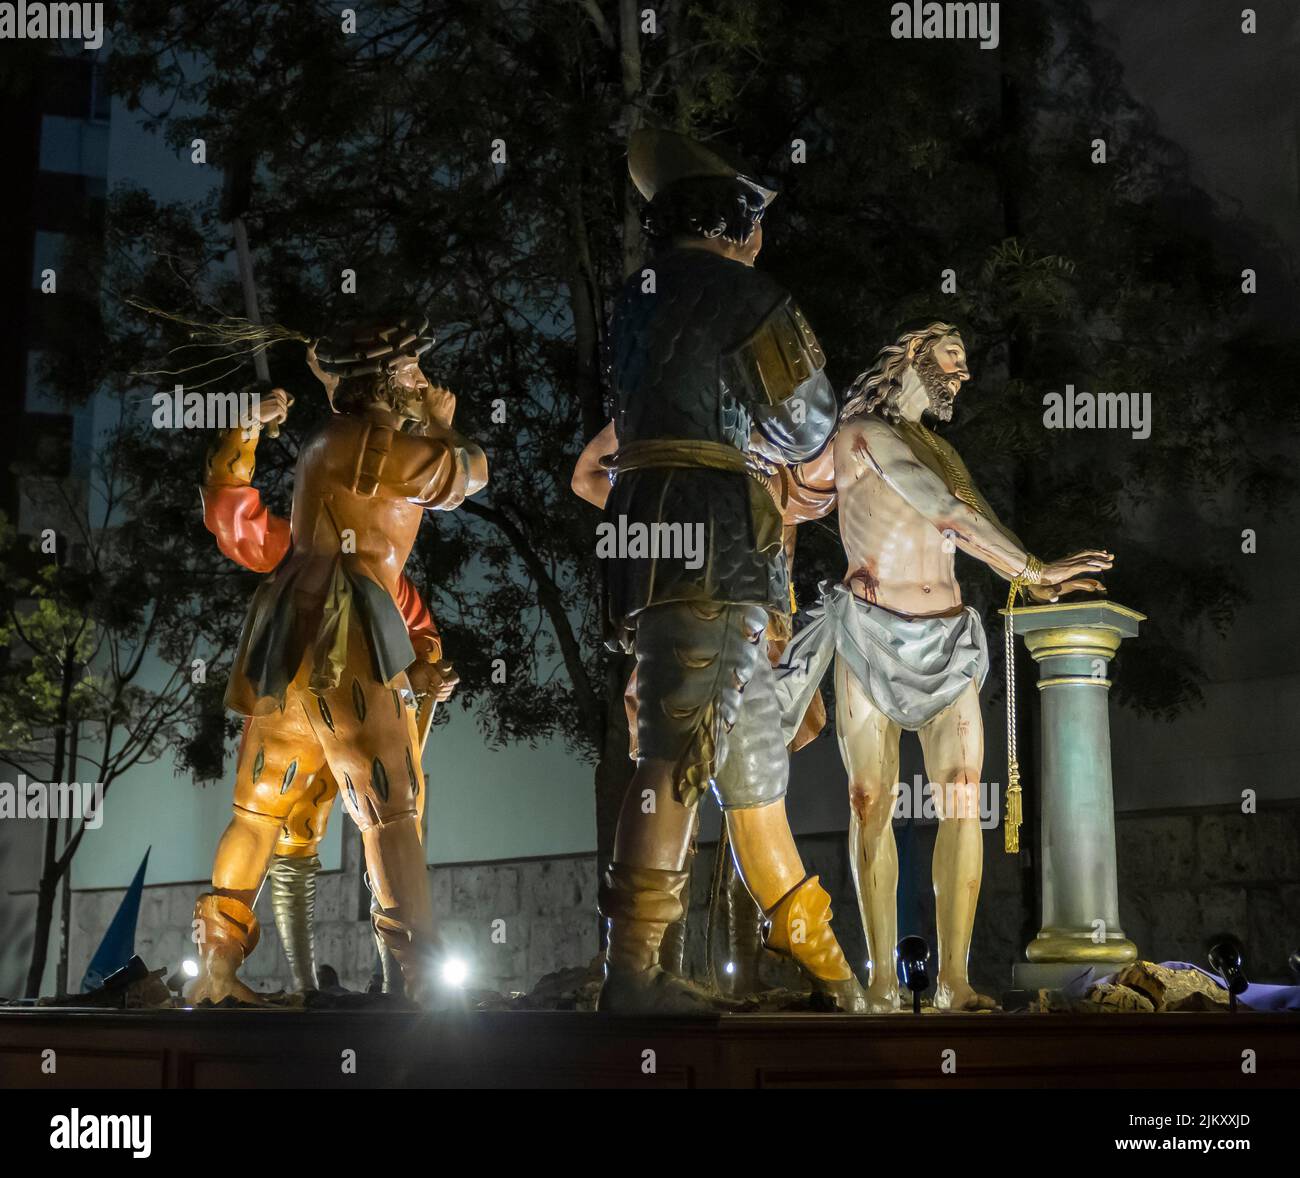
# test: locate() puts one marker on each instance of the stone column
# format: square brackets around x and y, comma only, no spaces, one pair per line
[1073,645]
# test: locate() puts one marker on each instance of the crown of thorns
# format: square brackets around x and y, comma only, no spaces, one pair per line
[369,350]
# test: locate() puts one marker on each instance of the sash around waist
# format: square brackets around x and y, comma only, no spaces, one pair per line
[700,454]
[694,454]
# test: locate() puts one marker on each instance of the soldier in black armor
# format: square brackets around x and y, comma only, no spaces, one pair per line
[719,382]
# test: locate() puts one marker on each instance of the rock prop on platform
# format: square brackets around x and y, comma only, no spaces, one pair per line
[1169,989]
[1141,988]
[148,993]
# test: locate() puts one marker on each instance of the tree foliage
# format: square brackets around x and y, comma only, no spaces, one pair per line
[467,157]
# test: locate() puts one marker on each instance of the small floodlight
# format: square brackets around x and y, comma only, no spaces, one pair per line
[1228,959]
[913,955]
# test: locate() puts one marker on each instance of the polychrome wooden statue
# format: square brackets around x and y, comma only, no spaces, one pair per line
[908,653]
[337,644]
[719,383]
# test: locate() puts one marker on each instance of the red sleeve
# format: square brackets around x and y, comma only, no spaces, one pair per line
[419,621]
[245,531]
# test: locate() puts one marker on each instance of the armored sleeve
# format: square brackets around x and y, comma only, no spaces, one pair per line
[777,372]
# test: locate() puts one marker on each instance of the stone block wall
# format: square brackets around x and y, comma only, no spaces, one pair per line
[1184,875]
[511,922]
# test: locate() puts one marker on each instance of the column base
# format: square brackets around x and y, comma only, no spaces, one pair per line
[1057,975]
[1076,946]
[1058,956]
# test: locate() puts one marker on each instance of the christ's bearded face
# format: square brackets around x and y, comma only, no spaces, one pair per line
[942,369]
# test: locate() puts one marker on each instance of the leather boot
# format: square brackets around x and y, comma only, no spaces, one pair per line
[230,933]
[639,904]
[799,926]
[293,900]
[388,971]
[736,924]
[403,920]
[672,951]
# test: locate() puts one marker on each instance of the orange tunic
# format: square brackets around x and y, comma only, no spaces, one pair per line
[335,569]
[254,537]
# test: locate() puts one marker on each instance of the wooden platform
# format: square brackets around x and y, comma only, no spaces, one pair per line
[307,1049]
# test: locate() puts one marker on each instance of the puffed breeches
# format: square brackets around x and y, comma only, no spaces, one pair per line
[706,701]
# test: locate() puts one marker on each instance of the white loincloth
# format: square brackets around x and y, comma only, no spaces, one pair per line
[910,669]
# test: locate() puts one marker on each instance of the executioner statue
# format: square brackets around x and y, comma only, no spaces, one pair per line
[718,382]
[337,653]
[806,492]
[908,652]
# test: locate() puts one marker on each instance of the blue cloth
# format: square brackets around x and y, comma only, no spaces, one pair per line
[118,945]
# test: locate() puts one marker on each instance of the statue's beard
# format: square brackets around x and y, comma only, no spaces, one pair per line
[937,387]
[411,406]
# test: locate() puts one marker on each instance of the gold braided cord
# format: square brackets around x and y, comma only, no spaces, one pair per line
[1031,574]
[1013,812]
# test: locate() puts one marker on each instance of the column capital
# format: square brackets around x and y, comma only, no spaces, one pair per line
[1092,629]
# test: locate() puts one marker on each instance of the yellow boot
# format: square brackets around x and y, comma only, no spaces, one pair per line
[799,927]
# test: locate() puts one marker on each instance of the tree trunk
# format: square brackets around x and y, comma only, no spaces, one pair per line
[65,919]
[51,864]
[586,308]
[629,35]
[614,769]
[65,906]
[44,918]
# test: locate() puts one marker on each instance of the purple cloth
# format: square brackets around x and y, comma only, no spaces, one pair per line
[1257,995]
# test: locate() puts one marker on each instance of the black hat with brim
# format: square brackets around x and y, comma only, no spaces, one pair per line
[657,159]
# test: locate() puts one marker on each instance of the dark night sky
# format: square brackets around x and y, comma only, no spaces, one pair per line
[1189,62]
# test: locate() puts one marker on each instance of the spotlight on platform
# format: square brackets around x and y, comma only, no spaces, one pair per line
[119,981]
[455,972]
[187,970]
[914,960]
[1228,960]
[1294,962]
